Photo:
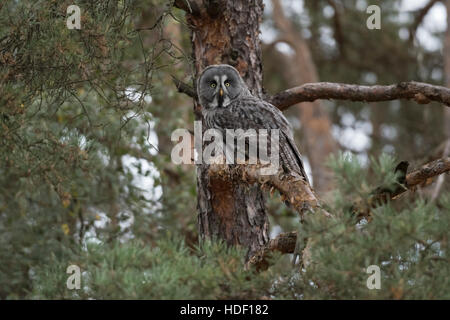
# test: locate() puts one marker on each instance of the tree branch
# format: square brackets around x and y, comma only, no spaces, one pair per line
[420,15]
[292,187]
[426,172]
[285,242]
[190,6]
[338,34]
[422,93]
[184,88]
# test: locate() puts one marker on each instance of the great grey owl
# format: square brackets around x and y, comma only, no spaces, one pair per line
[228,104]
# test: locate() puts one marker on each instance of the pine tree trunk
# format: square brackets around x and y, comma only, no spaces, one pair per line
[227,31]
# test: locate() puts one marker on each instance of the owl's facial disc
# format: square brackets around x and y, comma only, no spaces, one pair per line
[219,85]
[221,94]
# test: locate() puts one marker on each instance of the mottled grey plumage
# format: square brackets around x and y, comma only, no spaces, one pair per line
[237,108]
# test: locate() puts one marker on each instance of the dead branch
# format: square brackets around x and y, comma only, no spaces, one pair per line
[428,171]
[422,93]
[184,88]
[190,6]
[292,187]
[284,243]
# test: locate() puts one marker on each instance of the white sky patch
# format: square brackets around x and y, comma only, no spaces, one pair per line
[363,159]
[328,11]
[388,148]
[352,138]
[285,48]
[101,220]
[411,5]
[403,33]
[434,21]
[136,95]
[370,78]
[144,175]
[388,132]
[296,6]
[268,34]
[308,170]
[437,74]
[348,119]
[326,36]
[268,6]
[70,134]
[90,235]
[275,231]
[144,172]
[362,5]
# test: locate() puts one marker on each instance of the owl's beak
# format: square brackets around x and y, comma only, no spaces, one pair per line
[221,92]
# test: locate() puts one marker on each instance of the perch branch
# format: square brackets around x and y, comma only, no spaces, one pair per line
[292,187]
[419,92]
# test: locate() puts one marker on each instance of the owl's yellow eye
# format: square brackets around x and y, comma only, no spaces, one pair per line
[213,85]
[227,84]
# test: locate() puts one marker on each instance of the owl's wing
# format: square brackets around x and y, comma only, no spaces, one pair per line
[253,113]
[289,152]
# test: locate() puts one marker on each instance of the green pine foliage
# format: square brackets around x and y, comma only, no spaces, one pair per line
[170,270]
[408,241]
[74,106]
[409,245]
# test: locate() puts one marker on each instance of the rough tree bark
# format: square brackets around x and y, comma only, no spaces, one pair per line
[227,31]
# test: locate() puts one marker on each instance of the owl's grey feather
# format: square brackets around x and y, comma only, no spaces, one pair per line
[245,111]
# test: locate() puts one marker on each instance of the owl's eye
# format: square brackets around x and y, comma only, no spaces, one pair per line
[227,84]
[212,85]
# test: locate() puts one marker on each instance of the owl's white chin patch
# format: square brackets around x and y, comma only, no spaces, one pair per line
[215,103]
[226,102]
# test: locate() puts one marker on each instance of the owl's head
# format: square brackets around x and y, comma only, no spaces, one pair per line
[219,85]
